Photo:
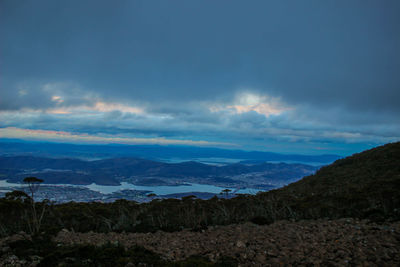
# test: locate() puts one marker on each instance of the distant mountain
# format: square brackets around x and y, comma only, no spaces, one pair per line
[148,172]
[153,152]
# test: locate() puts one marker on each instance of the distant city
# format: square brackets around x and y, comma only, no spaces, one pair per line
[84,173]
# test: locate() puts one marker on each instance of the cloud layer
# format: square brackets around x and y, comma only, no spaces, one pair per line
[276,75]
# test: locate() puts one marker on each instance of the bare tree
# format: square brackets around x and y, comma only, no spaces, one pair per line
[33,186]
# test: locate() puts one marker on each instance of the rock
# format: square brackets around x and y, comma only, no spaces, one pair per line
[240,244]
[304,243]
[260,258]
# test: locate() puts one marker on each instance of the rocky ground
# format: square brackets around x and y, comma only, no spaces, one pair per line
[313,243]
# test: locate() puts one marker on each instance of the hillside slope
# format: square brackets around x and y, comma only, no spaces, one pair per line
[366,184]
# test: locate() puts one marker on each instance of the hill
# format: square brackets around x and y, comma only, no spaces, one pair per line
[148,172]
[362,185]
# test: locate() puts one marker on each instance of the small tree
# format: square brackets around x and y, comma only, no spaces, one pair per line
[226,192]
[33,186]
[18,195]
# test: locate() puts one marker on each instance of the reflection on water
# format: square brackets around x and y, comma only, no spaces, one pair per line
[159,190]
[4,183]
[165,190]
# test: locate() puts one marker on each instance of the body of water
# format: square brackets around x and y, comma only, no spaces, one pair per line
[4,183]
[165,190]
[159,190]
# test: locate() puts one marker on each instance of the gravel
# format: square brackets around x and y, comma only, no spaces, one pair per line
[317,242]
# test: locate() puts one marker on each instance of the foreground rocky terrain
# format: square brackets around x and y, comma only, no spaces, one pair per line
[341,242]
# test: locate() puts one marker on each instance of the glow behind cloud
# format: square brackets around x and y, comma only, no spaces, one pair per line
[247,102]
[99,106]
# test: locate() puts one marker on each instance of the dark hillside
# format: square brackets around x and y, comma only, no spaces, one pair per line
[366,184]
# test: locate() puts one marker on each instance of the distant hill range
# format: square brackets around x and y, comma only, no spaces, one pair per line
[153,152]
[148,172]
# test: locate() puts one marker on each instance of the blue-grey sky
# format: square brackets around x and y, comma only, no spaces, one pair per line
[286,76]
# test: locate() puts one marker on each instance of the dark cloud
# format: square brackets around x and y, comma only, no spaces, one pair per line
[334,52]
[334,63]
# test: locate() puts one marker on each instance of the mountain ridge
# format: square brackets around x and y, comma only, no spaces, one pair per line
[154,152]
[141,171]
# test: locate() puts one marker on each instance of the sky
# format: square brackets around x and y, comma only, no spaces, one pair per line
[310,77]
